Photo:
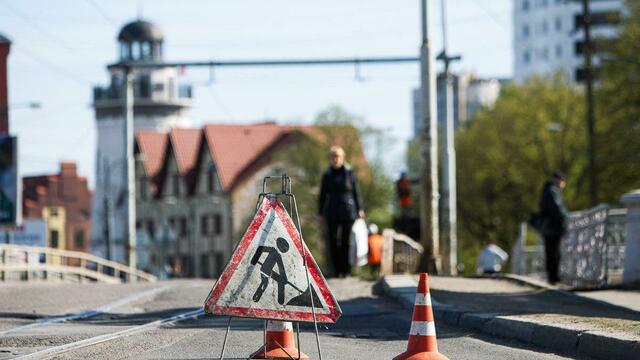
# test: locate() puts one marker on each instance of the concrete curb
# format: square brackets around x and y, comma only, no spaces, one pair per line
[594,344]
[538,284]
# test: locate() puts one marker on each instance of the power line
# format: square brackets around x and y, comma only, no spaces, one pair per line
[102,13]
[41,30]
[491,15]
[53,67]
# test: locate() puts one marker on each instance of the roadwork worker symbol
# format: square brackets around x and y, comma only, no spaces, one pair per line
[267,271]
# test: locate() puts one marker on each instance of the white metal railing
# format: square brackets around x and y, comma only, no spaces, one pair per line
[19,262]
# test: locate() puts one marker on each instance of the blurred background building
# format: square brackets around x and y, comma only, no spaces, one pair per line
[470,93]
[63,202]
[549,35]
[160,103]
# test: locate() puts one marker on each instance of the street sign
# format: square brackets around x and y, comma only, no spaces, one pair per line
[266,277]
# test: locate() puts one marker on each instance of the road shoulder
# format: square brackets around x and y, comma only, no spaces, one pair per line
[575,340]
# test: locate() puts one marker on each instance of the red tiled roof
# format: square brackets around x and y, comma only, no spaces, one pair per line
[185,147]
[234,147]
[152,145]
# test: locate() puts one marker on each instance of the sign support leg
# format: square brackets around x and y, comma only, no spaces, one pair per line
[226,334]
[306,270]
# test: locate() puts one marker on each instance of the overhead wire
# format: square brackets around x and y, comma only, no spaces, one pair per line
[102,12]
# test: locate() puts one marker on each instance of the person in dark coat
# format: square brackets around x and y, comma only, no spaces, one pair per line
[554,223]
[339,205]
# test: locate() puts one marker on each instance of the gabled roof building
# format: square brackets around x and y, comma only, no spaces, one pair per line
[197,188]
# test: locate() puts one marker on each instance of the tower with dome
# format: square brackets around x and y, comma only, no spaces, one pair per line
[160,103]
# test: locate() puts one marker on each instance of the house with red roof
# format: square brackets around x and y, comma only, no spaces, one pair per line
[197,188]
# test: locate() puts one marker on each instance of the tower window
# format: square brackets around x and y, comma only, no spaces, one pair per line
[145,50]
[135,50]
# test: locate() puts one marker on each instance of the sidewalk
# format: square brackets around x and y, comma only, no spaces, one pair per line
[530,313]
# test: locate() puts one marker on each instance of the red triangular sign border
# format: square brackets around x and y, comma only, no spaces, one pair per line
[211,306]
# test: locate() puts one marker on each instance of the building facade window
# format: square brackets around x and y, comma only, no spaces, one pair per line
[525,5]
[558,51]
[54,236]
[525,30]
[79,239]
[182,228]
[150,229]
[217,224]
[526,57]
[544,53]
[558,24]
[204,225]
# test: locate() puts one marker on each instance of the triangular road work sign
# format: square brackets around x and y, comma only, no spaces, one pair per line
[266,277]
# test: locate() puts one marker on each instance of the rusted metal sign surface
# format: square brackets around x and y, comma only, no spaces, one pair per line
[266,277]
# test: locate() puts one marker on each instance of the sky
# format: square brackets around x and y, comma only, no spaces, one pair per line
[60,50]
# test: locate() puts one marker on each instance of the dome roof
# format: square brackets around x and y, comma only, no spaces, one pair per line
[140,30]
[4,39]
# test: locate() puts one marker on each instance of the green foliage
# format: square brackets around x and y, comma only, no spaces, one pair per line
[309,158]
[506,154]
[618,112]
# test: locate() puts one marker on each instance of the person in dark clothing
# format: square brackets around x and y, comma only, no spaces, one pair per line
[554,216]
[339,205]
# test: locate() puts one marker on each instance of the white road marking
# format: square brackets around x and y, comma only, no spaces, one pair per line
[88,313]
[56,350]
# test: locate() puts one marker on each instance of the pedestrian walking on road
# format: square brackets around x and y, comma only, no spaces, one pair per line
[339,206]
[553,223]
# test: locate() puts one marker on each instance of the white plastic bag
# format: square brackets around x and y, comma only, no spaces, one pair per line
[359,243]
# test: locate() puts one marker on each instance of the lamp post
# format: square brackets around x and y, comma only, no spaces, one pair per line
[130,167]
[450,251]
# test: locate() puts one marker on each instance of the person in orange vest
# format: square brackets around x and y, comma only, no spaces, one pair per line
[403,192]
[375,247]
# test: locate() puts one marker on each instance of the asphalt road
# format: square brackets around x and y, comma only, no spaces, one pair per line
[135,322]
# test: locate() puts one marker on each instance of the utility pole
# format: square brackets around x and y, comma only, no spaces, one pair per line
[106,186]
[450,245]
[588,72]
[130,167]
[429,197]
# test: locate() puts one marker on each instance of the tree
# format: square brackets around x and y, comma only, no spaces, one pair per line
[618,109]
[508,151]
[309,158]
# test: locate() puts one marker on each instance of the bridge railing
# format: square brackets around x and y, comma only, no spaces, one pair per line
[400,253]
[592,251]
[19,262]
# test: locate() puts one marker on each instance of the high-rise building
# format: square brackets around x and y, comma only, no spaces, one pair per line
[548,35]
[160,103]
[470,94]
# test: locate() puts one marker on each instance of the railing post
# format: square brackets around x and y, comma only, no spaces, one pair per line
[631,272]
[3,263]
[386,263]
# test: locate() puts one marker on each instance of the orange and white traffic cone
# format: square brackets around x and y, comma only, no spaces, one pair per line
[422,337]
[280,343]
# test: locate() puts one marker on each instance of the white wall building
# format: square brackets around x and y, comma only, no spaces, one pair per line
[470,94]
[160,103]
[549,36]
